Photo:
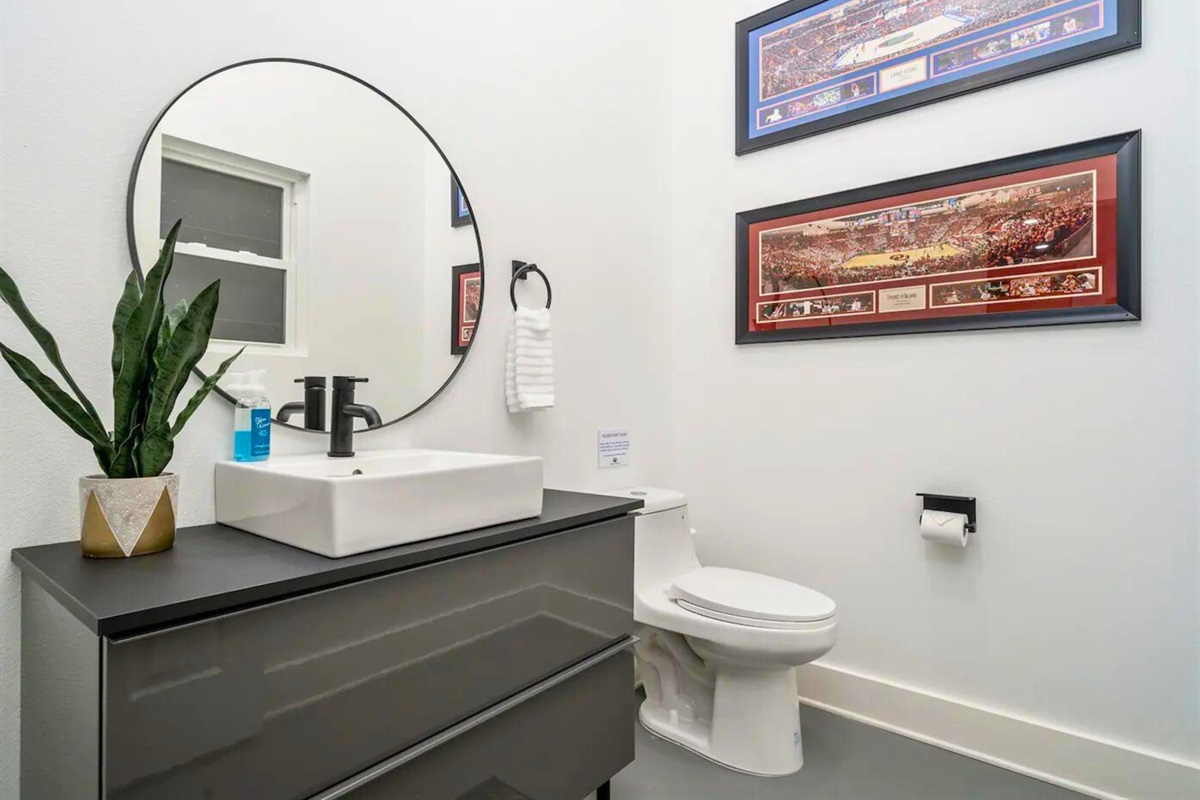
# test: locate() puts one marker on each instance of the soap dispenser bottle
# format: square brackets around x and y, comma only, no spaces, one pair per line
[251,417]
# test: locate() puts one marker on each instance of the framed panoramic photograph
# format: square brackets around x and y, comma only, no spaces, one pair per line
[460,212]
[465,298]
[808,66]
[1045,238]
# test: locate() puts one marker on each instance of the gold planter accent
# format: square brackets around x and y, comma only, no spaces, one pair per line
[122,517]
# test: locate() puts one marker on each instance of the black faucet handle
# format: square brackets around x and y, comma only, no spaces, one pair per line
[347,381]
[345,410]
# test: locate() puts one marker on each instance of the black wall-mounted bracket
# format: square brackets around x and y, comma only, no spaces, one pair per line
[951,504]
[521,272]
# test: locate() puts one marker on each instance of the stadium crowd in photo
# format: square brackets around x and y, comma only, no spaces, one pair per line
[471,294]
[824,46]
[1034,222]
[1020,288]
[849,60]
[824,306]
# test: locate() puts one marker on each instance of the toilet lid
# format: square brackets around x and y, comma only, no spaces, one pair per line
[750,595]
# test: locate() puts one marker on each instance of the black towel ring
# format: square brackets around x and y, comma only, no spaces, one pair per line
[519,275]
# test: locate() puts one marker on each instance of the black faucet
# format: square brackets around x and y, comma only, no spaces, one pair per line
[313,405]
[341,430]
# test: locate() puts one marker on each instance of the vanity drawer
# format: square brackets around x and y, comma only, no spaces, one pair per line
[285,700]
[558,745]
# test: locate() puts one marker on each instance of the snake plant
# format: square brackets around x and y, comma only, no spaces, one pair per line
[154,350]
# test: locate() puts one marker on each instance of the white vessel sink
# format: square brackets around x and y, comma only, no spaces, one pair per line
[342,506]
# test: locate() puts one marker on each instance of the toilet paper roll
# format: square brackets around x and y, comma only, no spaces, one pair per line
[944,527]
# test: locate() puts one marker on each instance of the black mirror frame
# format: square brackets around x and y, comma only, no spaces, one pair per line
[137,265]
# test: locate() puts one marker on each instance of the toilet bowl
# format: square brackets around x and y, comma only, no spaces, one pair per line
[719,647]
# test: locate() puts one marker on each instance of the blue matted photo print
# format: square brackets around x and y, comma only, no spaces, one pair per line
[460,212]
[808,66]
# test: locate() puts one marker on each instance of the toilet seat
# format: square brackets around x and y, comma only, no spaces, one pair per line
[747,622]
[748,598]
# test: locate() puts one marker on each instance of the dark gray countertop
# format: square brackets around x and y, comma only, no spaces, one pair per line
[214,568]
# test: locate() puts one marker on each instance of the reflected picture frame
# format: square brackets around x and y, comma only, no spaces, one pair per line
[460,210]
[466,304]
[887,58]
[1045,238]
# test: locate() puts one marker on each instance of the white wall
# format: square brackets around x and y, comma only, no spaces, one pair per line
[548,111]
[1076,605]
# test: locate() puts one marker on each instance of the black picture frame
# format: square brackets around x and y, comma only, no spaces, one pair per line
[460,207]
[1126,37]
[1127,307]
[462,332]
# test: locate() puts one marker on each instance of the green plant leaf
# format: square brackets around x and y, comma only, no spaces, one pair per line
[209,384]
[154,452]
[12,298]
[138,342]
[129,300]
[62,404]
[175,315]
[165,331]
[179,353]
[104,457]
[122,461]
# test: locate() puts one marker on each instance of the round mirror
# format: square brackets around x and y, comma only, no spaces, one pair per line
[342,237]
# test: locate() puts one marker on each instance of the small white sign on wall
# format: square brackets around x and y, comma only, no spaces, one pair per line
[612,447]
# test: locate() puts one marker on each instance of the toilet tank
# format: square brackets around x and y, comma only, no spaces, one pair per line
[663,546]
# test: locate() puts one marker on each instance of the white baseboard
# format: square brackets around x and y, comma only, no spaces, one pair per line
[1070,759]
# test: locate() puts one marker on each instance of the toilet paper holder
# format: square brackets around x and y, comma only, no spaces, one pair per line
[952,504]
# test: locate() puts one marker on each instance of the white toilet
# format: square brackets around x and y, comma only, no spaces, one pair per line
[719,647]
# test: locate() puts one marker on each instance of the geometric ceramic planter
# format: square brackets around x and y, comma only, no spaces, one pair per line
[121,517]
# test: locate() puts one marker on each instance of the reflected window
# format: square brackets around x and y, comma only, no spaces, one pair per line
[241,224]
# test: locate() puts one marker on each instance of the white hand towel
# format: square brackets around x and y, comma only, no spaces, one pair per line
[529,362]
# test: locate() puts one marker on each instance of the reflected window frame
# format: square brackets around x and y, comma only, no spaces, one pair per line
[294,231]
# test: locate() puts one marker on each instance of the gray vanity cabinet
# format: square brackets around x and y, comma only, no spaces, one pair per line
[573,735]
[500,671]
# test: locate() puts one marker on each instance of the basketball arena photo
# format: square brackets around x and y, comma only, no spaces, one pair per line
[1041,221]
[1039,239]
[837,55]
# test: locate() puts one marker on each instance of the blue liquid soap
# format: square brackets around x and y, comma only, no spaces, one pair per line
[251,418]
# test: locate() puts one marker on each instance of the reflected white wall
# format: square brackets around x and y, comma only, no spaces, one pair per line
[445,248]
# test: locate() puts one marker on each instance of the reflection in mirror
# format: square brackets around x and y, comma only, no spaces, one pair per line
[321,207]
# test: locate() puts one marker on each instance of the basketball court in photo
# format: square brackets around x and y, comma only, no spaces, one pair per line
[893,258]
[906,39]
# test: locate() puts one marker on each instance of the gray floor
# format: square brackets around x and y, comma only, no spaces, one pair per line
[843,759]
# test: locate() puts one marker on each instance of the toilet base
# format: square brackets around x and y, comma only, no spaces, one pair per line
[755,727]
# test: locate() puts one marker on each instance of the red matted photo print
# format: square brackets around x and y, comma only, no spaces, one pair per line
[1045,238]
[466,296]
